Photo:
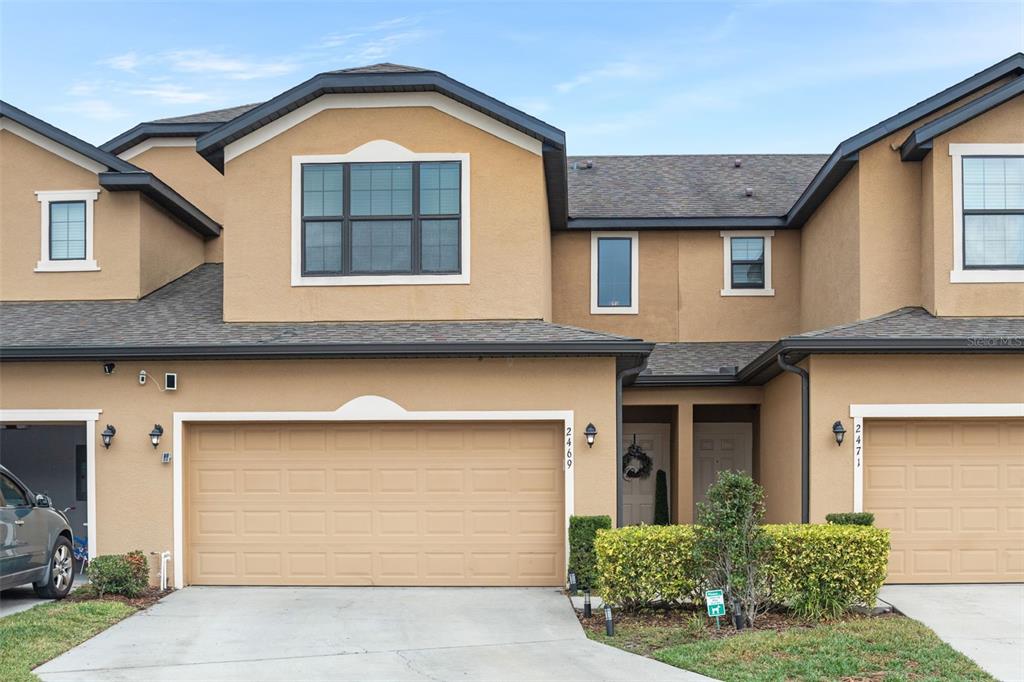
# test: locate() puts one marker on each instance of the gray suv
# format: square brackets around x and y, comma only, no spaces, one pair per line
[35,541]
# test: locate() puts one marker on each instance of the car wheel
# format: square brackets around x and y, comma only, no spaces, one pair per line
[62,572]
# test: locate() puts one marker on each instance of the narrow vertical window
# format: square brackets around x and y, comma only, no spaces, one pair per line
[67,230]
[614,274]
[747,262]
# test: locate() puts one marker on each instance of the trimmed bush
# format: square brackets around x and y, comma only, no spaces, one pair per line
[642,565]
[661,499]
[582,561]
[851,518]
[123,574]
[821,570]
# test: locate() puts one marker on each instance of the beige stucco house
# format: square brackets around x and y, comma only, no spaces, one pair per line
[381,330]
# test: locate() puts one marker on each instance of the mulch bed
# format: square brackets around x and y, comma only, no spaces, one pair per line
[143,601]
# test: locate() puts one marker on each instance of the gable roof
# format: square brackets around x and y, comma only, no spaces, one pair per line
[191,125]
[120,175]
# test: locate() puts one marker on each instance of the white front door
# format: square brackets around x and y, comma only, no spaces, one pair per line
[638,493]
[717,447]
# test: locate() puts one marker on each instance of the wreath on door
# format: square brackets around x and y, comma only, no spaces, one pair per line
[636,463]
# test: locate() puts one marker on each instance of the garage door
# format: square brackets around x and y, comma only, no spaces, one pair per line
[952,492]
[375,504]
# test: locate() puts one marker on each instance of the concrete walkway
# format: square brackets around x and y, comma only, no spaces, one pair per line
[984,622]
[379,633]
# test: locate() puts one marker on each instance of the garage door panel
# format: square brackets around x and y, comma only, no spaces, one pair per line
[404,505]
[948,492]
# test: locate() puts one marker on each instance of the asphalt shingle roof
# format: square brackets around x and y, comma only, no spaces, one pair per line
[688,185]
[689,359]
[918,323]
[189,312]
[215,116]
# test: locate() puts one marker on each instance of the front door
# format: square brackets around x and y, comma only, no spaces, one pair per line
[718,447]
[638,491]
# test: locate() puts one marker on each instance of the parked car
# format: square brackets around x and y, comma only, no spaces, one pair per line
[35,541]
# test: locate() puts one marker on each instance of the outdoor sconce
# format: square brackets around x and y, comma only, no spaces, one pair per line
[108,435]
[839,432]
[591,433]
[154,435]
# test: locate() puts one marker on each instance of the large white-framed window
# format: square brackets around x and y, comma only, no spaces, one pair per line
[380,215]
[747,262]
[66,231]
[988,212]
[614,273]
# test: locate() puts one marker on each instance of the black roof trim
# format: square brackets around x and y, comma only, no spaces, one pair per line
[64,138]
[843,158]
[144,131]
[682,223]
[919,143]
[162,194]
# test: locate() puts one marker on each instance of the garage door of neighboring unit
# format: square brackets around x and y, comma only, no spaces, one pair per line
[375,504]
[952,493]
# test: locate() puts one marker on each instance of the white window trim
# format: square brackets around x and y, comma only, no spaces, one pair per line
[914,411]
[367,408]
[958,275]
[45,199]
[378,151]
[89,418]
[634,298]
[727,236]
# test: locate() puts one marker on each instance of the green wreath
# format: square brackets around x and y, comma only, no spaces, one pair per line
[643,463]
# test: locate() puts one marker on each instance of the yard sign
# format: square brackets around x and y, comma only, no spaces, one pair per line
[716,603]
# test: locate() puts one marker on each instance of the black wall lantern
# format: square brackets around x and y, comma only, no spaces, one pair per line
[154,435]
[591,433]
[839,432]
[108,435]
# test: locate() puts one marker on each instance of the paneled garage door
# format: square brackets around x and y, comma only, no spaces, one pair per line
[952,492]
[375,504]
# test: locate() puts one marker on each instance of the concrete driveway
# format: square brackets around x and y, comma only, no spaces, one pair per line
[378,633]
[985,622]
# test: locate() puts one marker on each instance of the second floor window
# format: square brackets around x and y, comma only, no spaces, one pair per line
[613,274]
[993,212]
[381,218]
[67,230]
[747,255]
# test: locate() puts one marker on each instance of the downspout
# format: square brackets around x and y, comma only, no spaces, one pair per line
[805,437]
[619,379]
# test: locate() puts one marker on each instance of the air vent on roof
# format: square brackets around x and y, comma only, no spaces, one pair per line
[582,165]
[749,191]
[737,163]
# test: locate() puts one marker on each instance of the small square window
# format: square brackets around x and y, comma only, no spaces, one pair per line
[67,231]
[748,263]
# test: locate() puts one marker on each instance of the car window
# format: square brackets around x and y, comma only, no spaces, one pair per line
[12,495]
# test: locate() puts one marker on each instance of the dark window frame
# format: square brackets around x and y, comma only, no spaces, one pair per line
[964,212]
[85,229]
[733,262]
[416,220]
[629,260]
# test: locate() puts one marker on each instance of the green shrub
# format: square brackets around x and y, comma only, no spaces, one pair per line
[732,547]
[822,570]
[642,565]
[582,561]
[661,499]
[123,574]
[851,518]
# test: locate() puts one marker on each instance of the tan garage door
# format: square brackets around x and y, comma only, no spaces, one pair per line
[952,492]
[375,504]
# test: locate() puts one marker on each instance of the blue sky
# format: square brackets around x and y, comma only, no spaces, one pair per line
[619,78]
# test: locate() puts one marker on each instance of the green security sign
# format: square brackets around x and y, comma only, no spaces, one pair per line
[716,603]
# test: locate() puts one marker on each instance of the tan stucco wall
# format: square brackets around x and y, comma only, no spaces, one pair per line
[510,264]
[192,177]
[839,381]
[780,448]
[167,248]
[683,400]
[681,280]
[25,169]
[1003,124]
[134,490]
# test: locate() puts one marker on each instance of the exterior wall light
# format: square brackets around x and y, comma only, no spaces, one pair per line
[591,433]
[839,432]
[108,435]
[154,435]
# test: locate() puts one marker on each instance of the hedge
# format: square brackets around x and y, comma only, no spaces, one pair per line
[817,570]
[123,574]
[582,561]
[851,518]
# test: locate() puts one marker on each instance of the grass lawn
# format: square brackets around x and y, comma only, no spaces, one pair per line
[858,648]
[30,638]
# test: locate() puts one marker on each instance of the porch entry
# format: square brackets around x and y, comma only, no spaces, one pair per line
[718,447]
[639,481]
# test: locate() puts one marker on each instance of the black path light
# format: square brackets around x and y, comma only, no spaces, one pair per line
[587,612]
[108,435]
[839,431]
[591,433]
[155,434]
[609,624]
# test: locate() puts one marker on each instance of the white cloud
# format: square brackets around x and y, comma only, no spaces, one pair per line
[129,61]
[620,70]
[172,94]
[97,109]
[207,61]
[380,48]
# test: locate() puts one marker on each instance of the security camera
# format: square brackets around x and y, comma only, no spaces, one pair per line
[108,367]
